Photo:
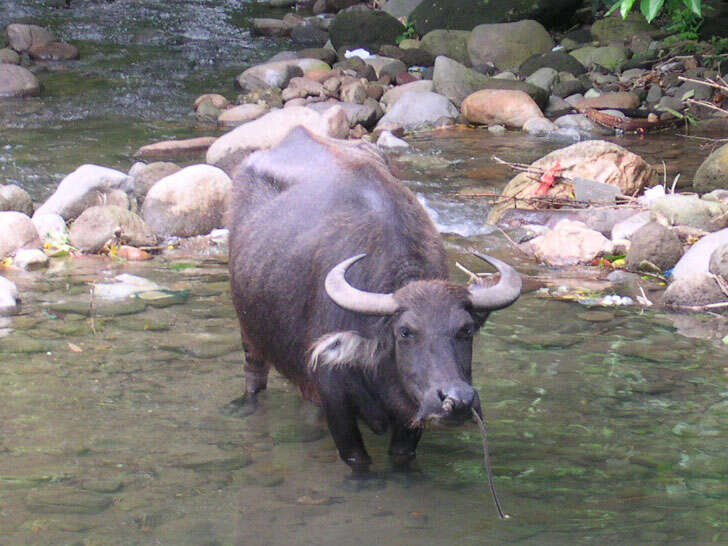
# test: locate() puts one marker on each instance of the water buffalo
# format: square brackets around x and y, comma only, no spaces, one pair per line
[313,218]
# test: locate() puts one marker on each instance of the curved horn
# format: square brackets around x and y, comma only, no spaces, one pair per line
[504,293]
[350,298]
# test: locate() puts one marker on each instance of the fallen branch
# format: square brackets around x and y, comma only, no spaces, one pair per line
[699,308]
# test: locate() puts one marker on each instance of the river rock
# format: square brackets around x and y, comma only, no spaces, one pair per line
[507,45]
[690,210]
[558,60]
[386,66]
[719,262]
[418,109]
[309,33]
[9,300]
[17,231]
[276,74]
[98,226]
[452,44]
[67,501]
[16,81]
[217,100]
[492,106]
[393,95]
[51,227]
[174,149]
[610,57]
[543,78]
[145,175]
[353,92]
[698,288]
[53,51]
[9,56]
[190,202]
[455,80]
[713,172]
[15,198]
[270,27]
[87,186]
[360,27]
[656,244]
[619,100]
[616,29]
[239,115]
[30,259]
[566,88]
[538,126]
[569,243]
[232,148]
[366,114]
[23,37]
[582,124]
[596,160]
[623,231]
[697,257]
[390,142]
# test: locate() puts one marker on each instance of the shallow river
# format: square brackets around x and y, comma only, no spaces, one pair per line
[605,426]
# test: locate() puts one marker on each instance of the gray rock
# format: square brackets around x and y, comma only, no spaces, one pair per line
[309,33]
[15,198]
[238,115]
[558,60]
[366,114]
[594,192]
[276,74]
[697,258]
[557,107]
[538,126]
[393,95]
[190,202]
[87,186]
[625,229]
[507,45]
[399,8]
[448,43]
[51,227]
[616,29]
[654,93]
[456,81]
[610,57]
[270,27]
[16,231]
[543,78]
[655,243]
[97,226]
[719,262]
[22,37]
[632,74]
[9,56]
[30,259]
[386,66]
[670,103]
[418,109]
[696,289]
[713,172]
[16,81]
[145,175]
[390,142]
[581,123]
[9,299]
[690,210]
[360,27]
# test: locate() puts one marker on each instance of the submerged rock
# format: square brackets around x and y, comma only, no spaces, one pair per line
[87,186]
[53,51]
[67,501]
[190,202]
[30,259]
[17,231]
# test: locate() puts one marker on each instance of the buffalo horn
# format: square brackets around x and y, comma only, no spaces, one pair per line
[348,297]
[504,293]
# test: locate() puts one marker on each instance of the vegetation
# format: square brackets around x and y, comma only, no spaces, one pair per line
[681,12]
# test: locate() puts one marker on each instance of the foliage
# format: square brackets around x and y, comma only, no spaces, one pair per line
[409,32]
[685,15]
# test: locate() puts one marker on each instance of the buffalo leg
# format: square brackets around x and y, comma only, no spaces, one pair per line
[256,380]
[403,444]
[343,427]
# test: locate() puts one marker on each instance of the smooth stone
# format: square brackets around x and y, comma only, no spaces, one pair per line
[417,110]
[22,37]
[96,227]
[620,100]
[101,308]
[276,74]
[145,175]
[175,149]
[697,257]
[569,243]
[697,288]
[507,45]
[360,27]
[217,100]
[655,243]
[690,210]
[30,259]
[9,298]
[495,106]
[51,228]
[543,78]
[21,344]
[17,81]
[53,51]
[538,126]
[14,198]
[17,231]
[625,229]
[713,172]
[244,113]
[9,56]
[719,262]
[609,57]
[393,95]
[452,44]
[388,141]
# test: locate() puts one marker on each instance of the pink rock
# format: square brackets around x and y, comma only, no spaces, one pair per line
[569,243]
[622,99]
[168,149]
[54,51]
[500,106]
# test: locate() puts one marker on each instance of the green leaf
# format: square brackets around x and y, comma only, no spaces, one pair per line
[651,8]
[694,6]
[625,7]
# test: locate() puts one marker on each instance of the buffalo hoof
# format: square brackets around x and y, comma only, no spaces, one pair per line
[241,407]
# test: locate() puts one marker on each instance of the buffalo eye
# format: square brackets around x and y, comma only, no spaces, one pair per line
[466,332]
[405,333]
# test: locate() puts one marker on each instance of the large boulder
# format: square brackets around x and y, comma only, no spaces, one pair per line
[87,186]
[417,110]
[276,73]
[399,8]
[719,262]
[569,243]
[16,231]
[145,175]
[98,226]
[361,27]
[16,81]
[494,106]
[689,210]
[393,95]
[656,244]
[466,14]
[617,29]
[596,160]
[697,258]
[448,43]
[713,172]
[507,45]
[9,299]
[190,202]
[23,37]
[609,57]
[265,132]
[15,198]
[455,80]
[697,289]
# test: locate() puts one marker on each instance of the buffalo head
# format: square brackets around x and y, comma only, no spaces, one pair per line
[430,332]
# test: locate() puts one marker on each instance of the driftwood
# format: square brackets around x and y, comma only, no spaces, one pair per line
[630,125]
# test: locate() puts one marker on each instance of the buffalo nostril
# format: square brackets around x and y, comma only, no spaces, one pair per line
[441,395]
[458,398]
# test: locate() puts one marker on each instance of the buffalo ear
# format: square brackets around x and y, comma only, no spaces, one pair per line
[343,349]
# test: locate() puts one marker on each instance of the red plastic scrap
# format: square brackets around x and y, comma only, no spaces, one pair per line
[547,178]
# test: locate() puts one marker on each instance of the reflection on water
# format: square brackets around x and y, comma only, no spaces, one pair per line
[604,426]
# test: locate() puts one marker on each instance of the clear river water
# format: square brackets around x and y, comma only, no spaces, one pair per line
[605,425]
